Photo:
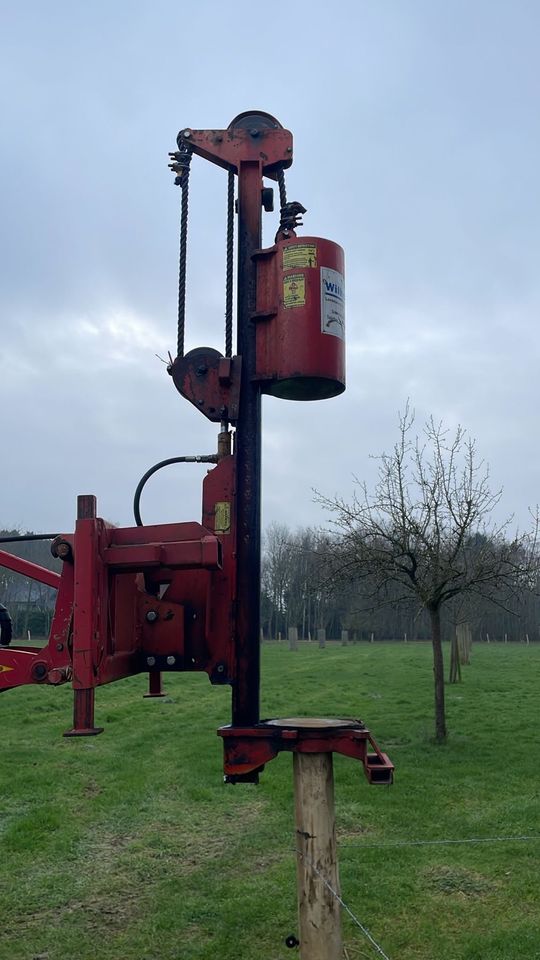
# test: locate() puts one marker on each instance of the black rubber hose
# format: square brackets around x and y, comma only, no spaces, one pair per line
[29,536]
[210,458]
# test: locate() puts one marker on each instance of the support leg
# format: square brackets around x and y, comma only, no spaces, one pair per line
[83,715]
[155,688]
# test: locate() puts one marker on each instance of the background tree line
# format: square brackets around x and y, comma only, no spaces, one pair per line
[424,538]
[30,604]
[296,593]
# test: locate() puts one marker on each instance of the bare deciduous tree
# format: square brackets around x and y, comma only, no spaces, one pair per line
[426,532]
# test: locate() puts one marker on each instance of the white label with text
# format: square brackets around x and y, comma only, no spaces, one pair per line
[332,302]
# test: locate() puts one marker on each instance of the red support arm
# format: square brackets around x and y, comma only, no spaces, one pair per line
[29,569]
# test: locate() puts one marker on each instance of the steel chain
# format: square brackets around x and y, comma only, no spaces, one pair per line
[180,165]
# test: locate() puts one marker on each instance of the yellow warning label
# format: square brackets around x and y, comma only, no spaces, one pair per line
[4,669]
[294,290]
[299,255]
[222,517]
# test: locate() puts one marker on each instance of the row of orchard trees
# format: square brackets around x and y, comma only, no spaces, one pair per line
[424,541]
[298,592]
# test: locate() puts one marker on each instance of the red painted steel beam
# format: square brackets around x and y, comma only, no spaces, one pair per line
[29,569]
[16,666]
[190,554]
[271,147]
[156,533]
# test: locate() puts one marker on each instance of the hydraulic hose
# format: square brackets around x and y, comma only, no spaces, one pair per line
[209,458]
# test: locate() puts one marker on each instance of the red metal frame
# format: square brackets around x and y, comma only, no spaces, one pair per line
[185,596]
[29,569]
[248,749]
[136,599]
[269,146]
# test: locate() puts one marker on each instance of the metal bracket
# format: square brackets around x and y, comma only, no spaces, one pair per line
[247,749]
[210,382]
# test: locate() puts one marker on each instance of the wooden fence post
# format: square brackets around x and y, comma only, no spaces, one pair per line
[319,912]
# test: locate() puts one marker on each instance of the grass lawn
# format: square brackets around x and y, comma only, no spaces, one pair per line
[128,846]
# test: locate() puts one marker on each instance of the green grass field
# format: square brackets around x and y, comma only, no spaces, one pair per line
[128,846]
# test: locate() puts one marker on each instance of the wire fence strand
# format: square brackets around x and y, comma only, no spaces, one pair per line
[432,843]
[402,843]
[344,906]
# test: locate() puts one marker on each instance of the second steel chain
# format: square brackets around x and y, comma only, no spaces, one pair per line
[180,165]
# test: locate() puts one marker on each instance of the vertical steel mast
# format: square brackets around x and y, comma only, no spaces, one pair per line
[253,145]
[248,448]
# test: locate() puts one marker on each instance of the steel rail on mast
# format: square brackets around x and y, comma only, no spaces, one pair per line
[254,146]
[245,698]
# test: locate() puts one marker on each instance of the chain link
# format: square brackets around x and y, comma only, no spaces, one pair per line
[290,213]
[180,165]
[282,189]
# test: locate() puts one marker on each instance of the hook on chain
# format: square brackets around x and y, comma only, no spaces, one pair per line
[180,162]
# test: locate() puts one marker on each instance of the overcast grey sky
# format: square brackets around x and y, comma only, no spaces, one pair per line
[416,132]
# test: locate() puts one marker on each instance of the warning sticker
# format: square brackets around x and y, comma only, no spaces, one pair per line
[294,290]
[299,255]
[332,302]
[222,517]
[4,669]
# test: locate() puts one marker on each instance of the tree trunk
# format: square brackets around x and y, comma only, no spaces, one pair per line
[438,675]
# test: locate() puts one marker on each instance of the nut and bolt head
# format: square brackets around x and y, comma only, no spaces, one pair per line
[151,661]
[61,548]
[170,661]
[57,675]
[39,671]
[152,616]
[254,133]
[220,668]
[186,133]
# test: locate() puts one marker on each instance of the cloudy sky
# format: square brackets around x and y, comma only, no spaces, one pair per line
[416,131]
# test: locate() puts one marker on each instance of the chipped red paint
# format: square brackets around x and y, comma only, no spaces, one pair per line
[247,749]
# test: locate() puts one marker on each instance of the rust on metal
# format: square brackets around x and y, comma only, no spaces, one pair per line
[185,596]
[210,382]
[248,749]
